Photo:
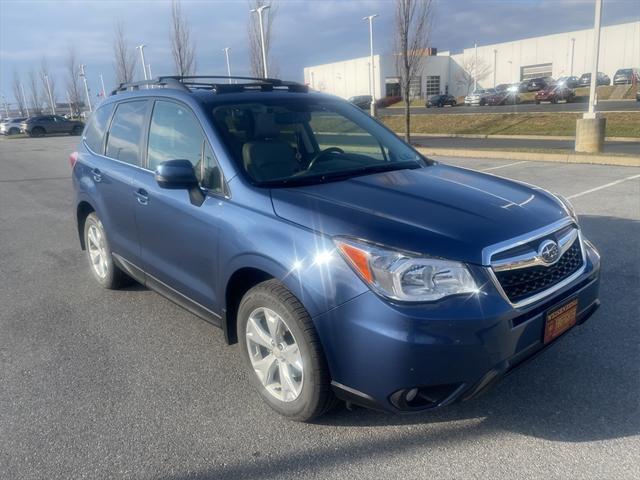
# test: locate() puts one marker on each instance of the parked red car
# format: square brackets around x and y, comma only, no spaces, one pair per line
[555,94]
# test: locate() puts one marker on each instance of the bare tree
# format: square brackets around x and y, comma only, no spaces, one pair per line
[471,73]
[73,86]
[35,92]
[413,26]
[123,55]
[182,46]
[45,74]
[255,44]
[17,93]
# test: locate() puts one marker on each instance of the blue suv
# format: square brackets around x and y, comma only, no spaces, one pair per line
[345,264]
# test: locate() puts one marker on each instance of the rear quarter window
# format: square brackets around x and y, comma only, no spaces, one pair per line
[94,133]
[125,132]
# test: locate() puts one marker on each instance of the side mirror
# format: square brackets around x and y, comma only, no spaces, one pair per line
[179,175]
[176,175]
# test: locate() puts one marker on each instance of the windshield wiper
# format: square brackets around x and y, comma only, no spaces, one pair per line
[343,174]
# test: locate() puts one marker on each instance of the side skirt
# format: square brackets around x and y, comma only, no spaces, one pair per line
[166,291]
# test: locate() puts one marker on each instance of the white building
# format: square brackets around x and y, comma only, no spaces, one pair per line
[556,55]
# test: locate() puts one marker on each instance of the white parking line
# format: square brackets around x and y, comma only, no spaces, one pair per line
[504,166]
[607,185]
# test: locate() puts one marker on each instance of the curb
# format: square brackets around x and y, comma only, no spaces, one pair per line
[514,137]
[625,161]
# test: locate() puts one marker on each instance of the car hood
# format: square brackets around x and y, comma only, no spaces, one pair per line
[438,210]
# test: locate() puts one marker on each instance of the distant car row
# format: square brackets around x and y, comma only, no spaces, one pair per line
[40,125]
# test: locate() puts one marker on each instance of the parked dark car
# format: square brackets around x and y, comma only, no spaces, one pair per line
[441,101]
[50,124]
[626,76]
[555,93]
[344,265]
[361,101]
[585,80]
[503,97]
[502,87]
[569,82]
[535,84]
[11,126]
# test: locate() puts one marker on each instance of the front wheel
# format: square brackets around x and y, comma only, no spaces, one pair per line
[282,353]
[37,132]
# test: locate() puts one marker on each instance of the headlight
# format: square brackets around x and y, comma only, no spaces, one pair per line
[404,276]
[568,207]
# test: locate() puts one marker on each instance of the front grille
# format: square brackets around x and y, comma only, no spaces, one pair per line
[521,283]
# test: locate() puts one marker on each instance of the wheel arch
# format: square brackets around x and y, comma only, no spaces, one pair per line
[82,212]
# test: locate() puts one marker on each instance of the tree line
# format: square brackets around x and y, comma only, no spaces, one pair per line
[37,91]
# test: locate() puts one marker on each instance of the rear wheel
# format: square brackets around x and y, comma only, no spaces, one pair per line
[282,353]
[14,131]
[99,254]
[77,130]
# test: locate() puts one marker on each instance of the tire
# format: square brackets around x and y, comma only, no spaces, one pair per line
[314,396]
[37,132]
[77,130]
[537,102]
[453,104]
[14,131]
[112,277]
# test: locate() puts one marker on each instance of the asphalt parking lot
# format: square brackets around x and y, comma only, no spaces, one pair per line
[124,384]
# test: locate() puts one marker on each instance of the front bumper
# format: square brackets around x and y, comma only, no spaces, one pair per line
[452,349]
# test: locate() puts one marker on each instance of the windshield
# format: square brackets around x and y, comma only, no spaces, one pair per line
[283,142]
[624,71]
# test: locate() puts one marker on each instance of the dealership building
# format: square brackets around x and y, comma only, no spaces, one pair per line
[557,55]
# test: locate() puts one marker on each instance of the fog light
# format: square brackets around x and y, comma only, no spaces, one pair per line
[411,395]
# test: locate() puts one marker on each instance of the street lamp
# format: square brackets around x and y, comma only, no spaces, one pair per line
[226,54]
[510,70]
[144,64]
[86,87]
[53,107]
[372,80]
[495,57]
[573,46]
[590,129]
[104,91]
[475,68]
[259,11]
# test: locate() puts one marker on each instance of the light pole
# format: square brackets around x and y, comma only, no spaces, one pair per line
[149,69]
[104,92]
[259,11]
[144,64]
[53,107]
[510,71]
[372,79]
[590,129]
[475,68]
[24,99]
[226,54]
[86,87]
[573,46]
[495,57]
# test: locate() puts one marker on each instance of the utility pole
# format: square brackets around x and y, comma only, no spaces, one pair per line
[53,107]
[372,78]
[573,46]
[24,99]
[226,53]
[475,68]
[104,92]
[86,87]
[259,11]
[144,65]
[590,129]
[149,69]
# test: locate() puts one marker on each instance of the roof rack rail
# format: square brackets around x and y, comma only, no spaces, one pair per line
[166,82]
[189,82]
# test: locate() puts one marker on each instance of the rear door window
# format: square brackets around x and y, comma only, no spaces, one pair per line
[123,142]
[94,134]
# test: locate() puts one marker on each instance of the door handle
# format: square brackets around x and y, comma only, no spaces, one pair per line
[142,196]
[97,175]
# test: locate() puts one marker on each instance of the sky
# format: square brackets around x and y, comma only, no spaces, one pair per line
[306,32]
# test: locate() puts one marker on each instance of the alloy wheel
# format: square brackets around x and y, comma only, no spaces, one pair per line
[97,251]
[275,355]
